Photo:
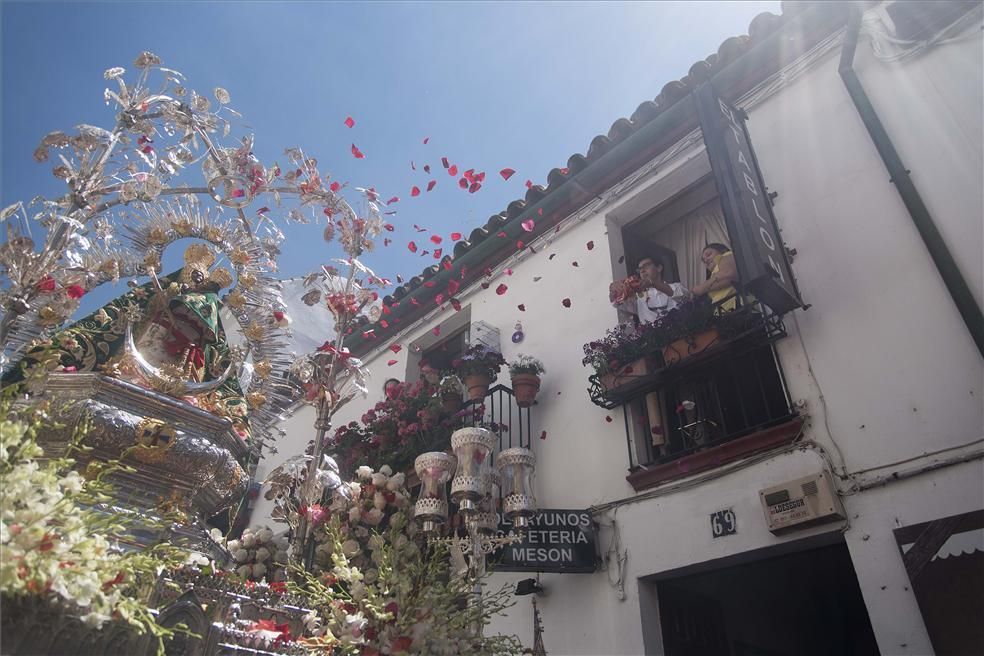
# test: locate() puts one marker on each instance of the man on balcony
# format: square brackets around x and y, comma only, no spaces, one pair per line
[659,296]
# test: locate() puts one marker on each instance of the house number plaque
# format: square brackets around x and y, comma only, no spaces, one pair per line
[723,523]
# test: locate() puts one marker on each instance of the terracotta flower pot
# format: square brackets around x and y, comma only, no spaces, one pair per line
[525,387]
[690,345]
[626,374]
[478,386]
[451,402]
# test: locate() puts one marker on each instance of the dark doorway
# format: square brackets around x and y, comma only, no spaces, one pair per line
[802,604]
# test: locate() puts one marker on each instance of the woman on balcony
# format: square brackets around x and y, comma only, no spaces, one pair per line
[719,287]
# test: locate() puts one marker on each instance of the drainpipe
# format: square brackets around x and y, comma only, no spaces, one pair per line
[955,283]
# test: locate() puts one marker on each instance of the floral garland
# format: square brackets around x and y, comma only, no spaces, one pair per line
[55,547]
[409,421]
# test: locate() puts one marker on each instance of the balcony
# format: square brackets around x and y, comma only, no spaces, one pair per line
[695,403]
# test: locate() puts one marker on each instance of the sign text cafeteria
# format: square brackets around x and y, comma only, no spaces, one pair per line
[555,541]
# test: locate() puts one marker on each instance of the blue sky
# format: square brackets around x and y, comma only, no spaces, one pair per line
[493,85]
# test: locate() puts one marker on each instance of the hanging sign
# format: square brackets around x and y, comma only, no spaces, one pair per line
[760,254]
[556,541]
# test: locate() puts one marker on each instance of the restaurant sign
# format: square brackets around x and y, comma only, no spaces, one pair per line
[561,541]
[760,254]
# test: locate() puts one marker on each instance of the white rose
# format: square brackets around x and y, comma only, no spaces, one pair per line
[262,554]
[355,489]
[350,547]
[364,472]
[379,501]
[355,514]
[265,535]
[395,482]
[259,570]
[386,469]
[374,516]
[379,480]
[371,575]
[249,540]
[280,556]
[241,556]
[244,571]
[233,546]
[358,591]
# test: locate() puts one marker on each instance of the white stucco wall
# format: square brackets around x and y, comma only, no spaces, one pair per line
[898,372]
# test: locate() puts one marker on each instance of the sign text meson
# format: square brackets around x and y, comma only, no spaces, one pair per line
[759,251]
[555,541]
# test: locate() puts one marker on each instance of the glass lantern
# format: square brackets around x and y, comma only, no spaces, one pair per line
[516,469]
[434,470]
[473,448]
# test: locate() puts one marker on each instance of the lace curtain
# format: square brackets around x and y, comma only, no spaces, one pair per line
[687,236]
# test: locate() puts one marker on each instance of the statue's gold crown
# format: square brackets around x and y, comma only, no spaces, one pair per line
[199,257]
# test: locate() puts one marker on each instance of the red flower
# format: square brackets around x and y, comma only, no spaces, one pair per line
[401,644]
[75,291]
[46,284]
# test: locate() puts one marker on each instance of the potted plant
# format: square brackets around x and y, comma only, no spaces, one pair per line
[525,372]
[450,392]
[478,367]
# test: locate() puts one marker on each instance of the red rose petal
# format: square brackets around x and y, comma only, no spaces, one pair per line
[543,435]
[453,287]
[508,272]
[334,186]
[427,168]
[412,166]
[519,245]
[501,289]
[394,199]
[463,183]
[590,245]
[436,330]
[566,302]
[391,363]
[456,304]
[415,191]
[426,139]
[389,227]
[506,173]
[455,236]
[528,225]
[565,171]
[540,211]
[608,418]
[444,161]
[529,184]
[413,247]
[475,186]
[396,348]
[574,263]
[77,292]
[453,171]
[384,323]
[501,233]
[522,307]
[448,264]
[438,299]
[356,152]
[436,239]
[552,256]
[429,284]
[349,122]
[430,185]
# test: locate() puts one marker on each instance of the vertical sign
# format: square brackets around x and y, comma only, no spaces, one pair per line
[759,252]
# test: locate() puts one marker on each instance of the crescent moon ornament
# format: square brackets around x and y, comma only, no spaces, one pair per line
[163,380]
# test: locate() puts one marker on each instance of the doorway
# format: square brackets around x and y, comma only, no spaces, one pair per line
[801,604]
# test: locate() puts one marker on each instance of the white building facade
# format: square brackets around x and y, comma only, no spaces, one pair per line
[877,385]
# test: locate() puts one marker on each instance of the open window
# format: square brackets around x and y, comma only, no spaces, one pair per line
[702,371]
